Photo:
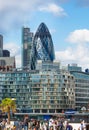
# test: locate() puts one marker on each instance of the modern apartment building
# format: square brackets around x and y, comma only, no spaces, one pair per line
[27,41]
[81,86]
[39,91]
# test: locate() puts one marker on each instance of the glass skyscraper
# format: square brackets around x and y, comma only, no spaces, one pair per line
[43,48]
[6,53]
[27,40]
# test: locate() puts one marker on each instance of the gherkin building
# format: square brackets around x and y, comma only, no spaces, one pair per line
[43,48]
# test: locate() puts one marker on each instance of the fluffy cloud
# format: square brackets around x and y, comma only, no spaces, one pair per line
[79,55]
[80,52]
[21,5]
[15,13]
[79,36]
[53,8]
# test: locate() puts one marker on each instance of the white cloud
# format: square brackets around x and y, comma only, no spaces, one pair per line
[65,54]
[18,60]
[16,13]
[80,52]
[21,5]
[53,8]
[79,36]
[79,55]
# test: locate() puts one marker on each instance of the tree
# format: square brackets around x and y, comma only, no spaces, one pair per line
[8,105]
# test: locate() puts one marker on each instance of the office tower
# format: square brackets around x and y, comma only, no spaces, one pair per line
[6,53]
[43,44]
[27,39]
[1,45]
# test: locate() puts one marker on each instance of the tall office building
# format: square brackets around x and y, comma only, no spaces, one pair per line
[27,40]
[6,53]
[1,45]
[43,48]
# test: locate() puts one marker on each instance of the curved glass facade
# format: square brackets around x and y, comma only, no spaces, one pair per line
[43,44]
[38,47]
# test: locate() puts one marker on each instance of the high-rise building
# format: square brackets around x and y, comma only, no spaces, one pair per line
[27,40]
[6,53]
[43,48]
[7,63]
[1,45]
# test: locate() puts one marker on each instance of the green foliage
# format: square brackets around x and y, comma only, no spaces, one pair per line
[8,103]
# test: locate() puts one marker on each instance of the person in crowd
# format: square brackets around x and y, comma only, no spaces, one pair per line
[68,126]
[60,125]
[82,125]
[51,128]
[26,123]
[51,122]
[14,127]
[2,124]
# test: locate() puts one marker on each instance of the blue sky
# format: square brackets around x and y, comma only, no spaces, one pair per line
[67,20]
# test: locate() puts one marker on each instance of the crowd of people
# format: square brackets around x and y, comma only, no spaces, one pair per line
[34,124]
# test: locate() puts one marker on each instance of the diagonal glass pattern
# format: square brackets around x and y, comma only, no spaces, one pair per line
[43,43]
[42,48]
